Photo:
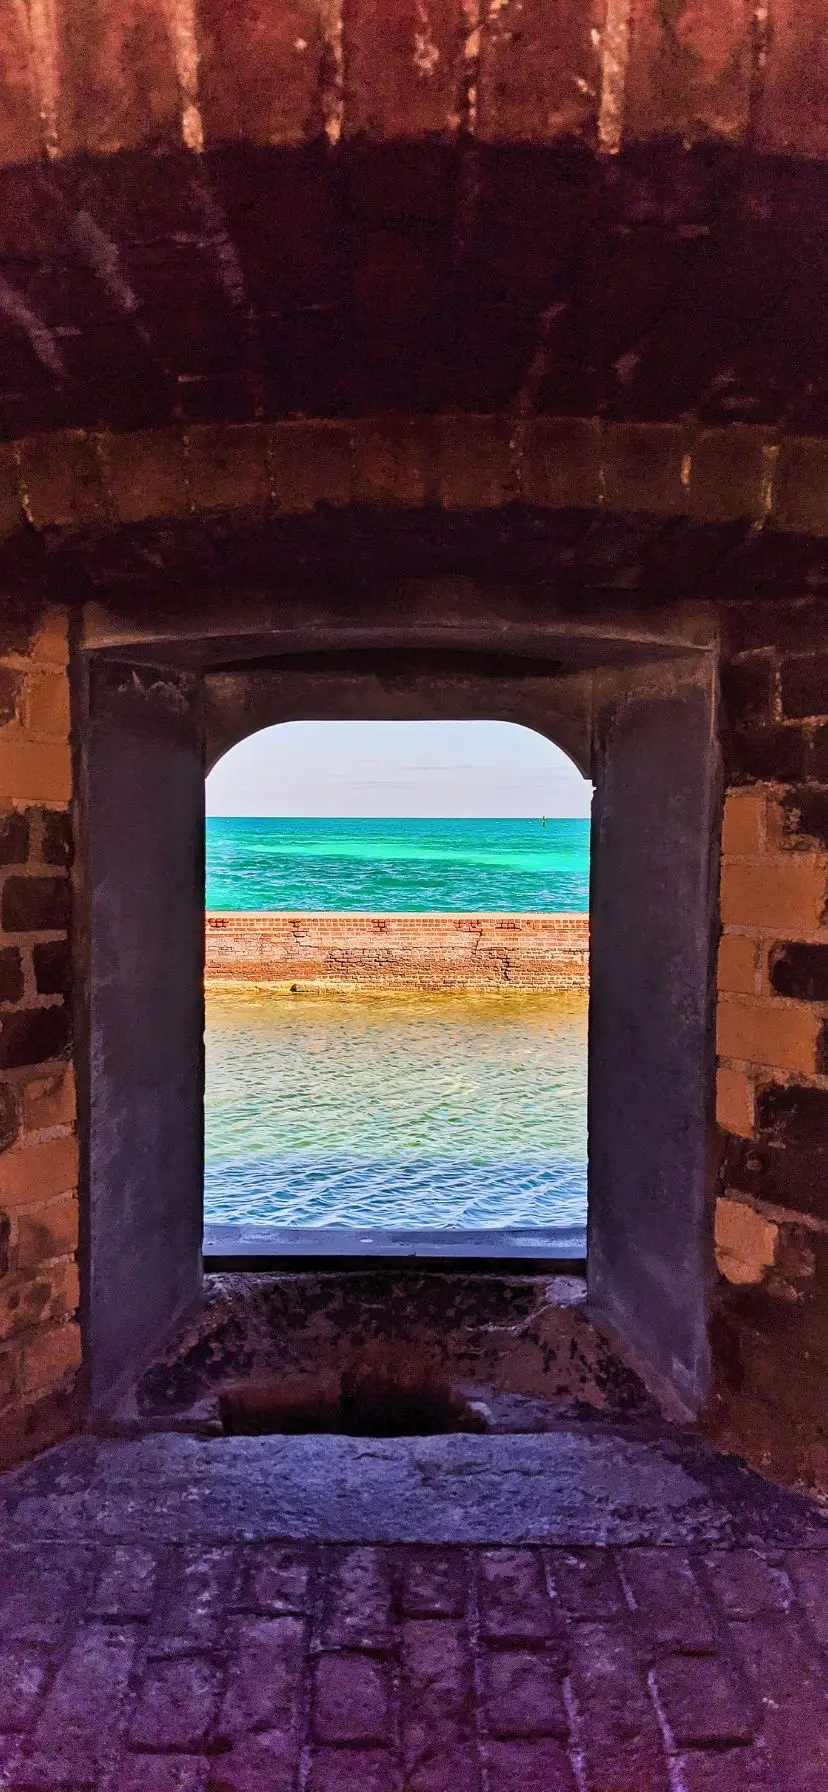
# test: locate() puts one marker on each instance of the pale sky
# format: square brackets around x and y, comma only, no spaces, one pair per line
[481,769]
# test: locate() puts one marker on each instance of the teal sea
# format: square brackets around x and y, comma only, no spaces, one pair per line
[400,865]
[392,1111]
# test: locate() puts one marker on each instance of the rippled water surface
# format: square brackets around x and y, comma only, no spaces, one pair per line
[403,865]
[426,1111]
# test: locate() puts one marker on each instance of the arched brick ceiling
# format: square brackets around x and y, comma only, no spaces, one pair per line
[247,209]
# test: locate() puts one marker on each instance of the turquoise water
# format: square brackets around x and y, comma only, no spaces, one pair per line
[401,865]
[394,1111]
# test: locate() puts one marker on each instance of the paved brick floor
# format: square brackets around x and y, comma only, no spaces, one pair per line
[271,1667]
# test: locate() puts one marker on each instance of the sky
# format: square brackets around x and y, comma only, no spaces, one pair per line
[480,769]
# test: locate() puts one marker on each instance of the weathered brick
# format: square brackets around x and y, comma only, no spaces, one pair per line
[804,818]
[56,843]
[352,1770]
[799,971]
[228,466]
[52,1358]
[744,823]
[736,972]
[262,71]
[43,1587]
[414,89]
[191,1611]
[395,461]
[351,1699]
[358,1612]
[50,1100]
[672,1617]
[35,904]
[36,1170]
[11,975]
[727,474]
[437,1707]
[145,474]
[522,1693]
[163,1773]
[793,1114]
[746,1244]
[61,477]
[620,1739]
[38,1300]
[474,462]
[433,1583]
[47,704]
[127,1584]
[745,1585]
[11,685]
[37,771]
[748,689]
[734,1100]
[779,754]
[83,1711]
[642,467]
[275,1578]
[267,1759]
[513,1599]
[539,72]
[804,685]
[9,1117]
[764,1031]
[14,837]
[538,1766]
[265,1677]
[52,962]
[23,1670]
[689,72]
[587,1584]
[561,462]
[808,1571]
[176,1704]
[705,1706]
[781,894]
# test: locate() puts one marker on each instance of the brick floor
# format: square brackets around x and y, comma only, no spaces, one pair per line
[288,1668]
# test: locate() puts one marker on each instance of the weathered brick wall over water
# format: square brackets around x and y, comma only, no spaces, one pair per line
[389,951]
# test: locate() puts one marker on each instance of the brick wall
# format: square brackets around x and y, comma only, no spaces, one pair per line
[427,952]
[771,1324]
[39,1333]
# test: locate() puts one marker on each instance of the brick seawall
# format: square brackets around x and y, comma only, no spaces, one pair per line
[393,951]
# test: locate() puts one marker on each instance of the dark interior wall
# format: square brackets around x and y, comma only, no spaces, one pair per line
[653,913]
[145,804]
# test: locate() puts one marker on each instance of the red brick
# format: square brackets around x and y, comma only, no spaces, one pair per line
[642,467]
[395,462]
[145,474]
[539,71]
[61,477]
[119,87]
[474,462]
[43,1587]
[351,1700]
[792,107]
[21,129]
[413,89]
[261,70]
[689,70]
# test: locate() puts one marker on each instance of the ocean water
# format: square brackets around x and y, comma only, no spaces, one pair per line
[391,1111]
[425,1111]
[399,865]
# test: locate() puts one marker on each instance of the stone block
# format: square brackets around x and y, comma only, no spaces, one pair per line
[764,1030]
[744,823]
[56,844]
[746,1244]
[704,1704]
[539,75]
[690,70]
[745,1585]
[433,1584]
[81,1715]
[360,1613]
[734,1100]
[523,1694]
[276,1579]
[513,1599]
[176,1704]
[34,1035]
[783,894]
[61,477]
[352,1770]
